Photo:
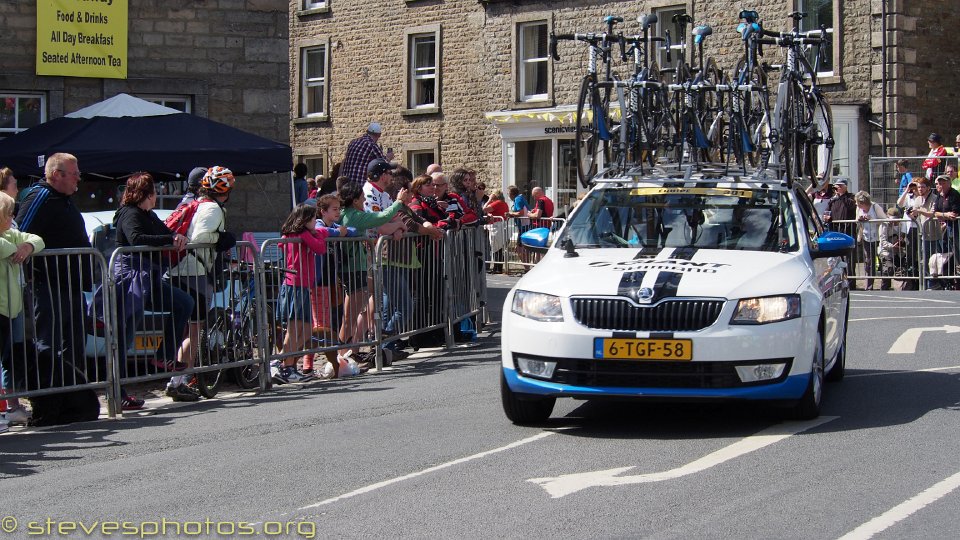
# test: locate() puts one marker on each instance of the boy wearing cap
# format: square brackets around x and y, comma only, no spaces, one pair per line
[360,152]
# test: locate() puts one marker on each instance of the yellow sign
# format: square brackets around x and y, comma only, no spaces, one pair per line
[82,38]
[722,192]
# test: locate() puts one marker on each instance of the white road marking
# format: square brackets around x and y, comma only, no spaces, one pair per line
[910,317]
[904,510]
[385,483]
[862,298]
[907,342]
[571,483]
[895,372]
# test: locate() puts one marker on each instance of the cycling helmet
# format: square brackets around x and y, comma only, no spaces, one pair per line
[218,180]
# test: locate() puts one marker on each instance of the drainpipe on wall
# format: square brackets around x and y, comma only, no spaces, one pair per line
[883,77]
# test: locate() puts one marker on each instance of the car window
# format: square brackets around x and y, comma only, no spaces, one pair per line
[713,218]
[810,218]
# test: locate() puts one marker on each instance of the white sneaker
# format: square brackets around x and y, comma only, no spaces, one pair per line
[17,416]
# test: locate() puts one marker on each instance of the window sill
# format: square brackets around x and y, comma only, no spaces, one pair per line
[418,112]
[533,104]
[313,11]
[829,79]
[306,120]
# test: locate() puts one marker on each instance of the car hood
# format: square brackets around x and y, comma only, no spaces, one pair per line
[650,275]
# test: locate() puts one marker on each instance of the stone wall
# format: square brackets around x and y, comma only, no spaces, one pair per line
[229,55]
[367,70]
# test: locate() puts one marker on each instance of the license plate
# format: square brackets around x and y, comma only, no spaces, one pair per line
[147,343]
[643,349]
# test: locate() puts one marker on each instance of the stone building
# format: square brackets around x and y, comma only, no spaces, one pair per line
[467,82]
[225,60]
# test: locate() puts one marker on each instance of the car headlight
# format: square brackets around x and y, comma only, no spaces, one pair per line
[765,310]
[537,306]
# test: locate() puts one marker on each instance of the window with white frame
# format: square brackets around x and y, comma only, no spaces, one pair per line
[314,4]
[313,81]
[423,79]
[820,13]
[316,164]
[665,23]
[19,112]
[180,103]
[419,160]
[533,57]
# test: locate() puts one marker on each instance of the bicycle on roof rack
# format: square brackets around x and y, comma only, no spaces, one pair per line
[802,116]
[648,121]
[693,102]
[598,134]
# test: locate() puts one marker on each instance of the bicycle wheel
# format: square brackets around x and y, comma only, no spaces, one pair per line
[682,103]
[619,127]
[245,343]
[823,153]
[213,347]
[755,112]
[790,129]
[592,126]
[248,377]
[652,118]
[710,113]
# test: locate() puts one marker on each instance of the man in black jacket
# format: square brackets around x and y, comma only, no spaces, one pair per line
[58,281]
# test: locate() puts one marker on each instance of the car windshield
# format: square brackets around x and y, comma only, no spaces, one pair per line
[704,217]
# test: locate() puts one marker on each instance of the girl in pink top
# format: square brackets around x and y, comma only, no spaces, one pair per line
[293,304]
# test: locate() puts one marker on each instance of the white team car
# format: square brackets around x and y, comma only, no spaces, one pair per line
[684,287]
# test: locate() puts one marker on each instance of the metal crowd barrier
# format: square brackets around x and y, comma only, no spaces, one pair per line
[906,263]
[131,320]
[161,326]
[49,342]
[517,257]
[410,284]
[885,178]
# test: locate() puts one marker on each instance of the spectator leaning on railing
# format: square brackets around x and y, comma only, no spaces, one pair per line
[15,247]
[48,211]
[922,210]
[868,214]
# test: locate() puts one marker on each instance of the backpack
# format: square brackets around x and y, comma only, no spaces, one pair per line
[179,223]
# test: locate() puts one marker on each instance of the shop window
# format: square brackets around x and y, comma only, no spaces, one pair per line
[19,112]
[533,59]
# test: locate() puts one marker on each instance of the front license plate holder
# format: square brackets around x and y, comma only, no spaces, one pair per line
[675,350]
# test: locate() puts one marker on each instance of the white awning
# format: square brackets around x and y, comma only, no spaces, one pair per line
[122,105]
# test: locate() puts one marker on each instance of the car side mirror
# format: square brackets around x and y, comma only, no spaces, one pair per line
[833,244]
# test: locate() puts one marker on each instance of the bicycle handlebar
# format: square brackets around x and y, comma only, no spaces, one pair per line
[592,38]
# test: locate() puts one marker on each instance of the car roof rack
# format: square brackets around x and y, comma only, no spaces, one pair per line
[687,173]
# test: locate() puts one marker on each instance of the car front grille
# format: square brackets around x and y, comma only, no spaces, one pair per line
[667,316]
[650,374]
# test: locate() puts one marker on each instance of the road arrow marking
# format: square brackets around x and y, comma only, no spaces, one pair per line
[907,342]
[571,483]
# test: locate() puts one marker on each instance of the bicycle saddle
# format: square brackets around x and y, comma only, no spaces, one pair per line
[702,30]
[797,15]
[749,15]
[612,19]
[682,18]
[747,28]
[646,21]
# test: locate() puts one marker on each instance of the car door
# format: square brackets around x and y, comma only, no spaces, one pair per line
[829,278]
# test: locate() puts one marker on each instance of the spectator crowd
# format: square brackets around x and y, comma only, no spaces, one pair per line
[367,196]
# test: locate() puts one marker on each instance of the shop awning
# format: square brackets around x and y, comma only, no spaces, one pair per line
[564,115]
